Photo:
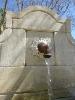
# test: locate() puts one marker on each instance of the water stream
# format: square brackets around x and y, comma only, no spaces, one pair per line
[50,92]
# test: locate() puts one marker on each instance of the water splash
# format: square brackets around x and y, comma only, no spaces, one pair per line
[50,92]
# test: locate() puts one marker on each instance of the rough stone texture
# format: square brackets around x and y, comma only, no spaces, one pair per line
[13,47]
[22,71]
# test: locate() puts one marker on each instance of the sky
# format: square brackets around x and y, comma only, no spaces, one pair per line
[72,8]
[12,6]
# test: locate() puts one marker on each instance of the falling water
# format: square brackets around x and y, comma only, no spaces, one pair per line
[50,93]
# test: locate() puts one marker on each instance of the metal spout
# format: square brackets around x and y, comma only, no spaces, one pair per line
[44,48]
[47,55]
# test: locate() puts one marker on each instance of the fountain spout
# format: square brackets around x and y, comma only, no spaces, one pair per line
[47,55]
[44,48]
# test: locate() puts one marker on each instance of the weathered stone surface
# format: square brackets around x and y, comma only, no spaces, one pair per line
[22,70]
[13,47]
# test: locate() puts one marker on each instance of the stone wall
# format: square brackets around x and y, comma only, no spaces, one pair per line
[23,75]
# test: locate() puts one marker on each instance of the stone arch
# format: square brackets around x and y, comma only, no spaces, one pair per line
[58,21]
[46,10]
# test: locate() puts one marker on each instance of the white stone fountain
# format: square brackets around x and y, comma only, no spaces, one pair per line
[26,71]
